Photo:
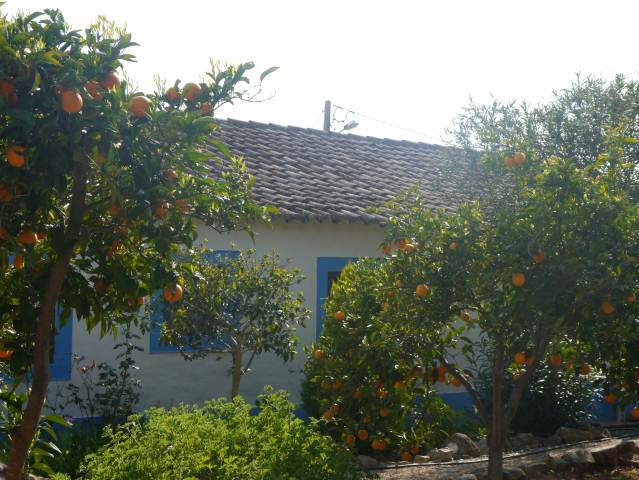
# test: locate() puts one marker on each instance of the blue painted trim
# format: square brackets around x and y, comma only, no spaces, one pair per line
[60,369]
[157,307]
[324,266]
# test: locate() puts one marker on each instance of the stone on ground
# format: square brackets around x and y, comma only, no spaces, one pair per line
[465,445]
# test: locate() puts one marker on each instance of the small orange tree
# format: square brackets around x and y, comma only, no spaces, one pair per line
[549,265]
[99,189]
[244,306]
[366,372]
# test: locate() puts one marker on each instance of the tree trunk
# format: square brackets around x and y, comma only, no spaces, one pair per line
[22,439]
[237,370]
[496,433]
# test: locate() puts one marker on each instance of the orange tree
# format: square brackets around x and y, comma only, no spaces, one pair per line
[244,306]
[100,187]
[369,377]
[547,264]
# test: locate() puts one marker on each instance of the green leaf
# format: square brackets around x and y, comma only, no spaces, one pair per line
[267,72]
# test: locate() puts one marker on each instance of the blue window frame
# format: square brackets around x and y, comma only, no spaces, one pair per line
[157,308]
[328,270]
[60,367]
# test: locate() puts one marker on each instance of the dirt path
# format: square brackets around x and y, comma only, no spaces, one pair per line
[529,463]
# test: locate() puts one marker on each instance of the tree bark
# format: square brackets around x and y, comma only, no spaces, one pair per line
[22,439]
[496,433]
[237,370]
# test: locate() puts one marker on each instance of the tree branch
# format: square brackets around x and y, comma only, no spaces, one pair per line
[481,409]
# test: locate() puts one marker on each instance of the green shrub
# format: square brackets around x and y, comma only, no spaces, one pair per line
[75,444]
[222,440]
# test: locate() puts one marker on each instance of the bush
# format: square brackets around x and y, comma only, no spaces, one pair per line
[221,440]
[556,397]
[365,377]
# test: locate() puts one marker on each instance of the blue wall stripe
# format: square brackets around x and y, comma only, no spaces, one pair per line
[324,266]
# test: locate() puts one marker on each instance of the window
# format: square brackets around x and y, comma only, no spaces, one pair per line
[328,271]
[157,310]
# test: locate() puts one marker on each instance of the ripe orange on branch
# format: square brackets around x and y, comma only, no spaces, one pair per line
[192,91]
[110,81]
[610,398]
[15,155]
[634,413]
[631,298]
[539,257]
[362,434]
[520,358]
[607,308]
[138,105]
[93,89]
[173,293]
[318,354]
[555,359]
[421,290]
[27,237]
[71,101]
[518,279]
[172,94]
[339,316]
[584,369]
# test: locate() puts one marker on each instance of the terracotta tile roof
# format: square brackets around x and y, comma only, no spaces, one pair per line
[311,175]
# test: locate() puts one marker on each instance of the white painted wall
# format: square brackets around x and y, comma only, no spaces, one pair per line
[168,379]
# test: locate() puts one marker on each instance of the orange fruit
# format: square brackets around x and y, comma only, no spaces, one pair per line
[520,358]
[555,359]
[15,155]
[634,413]
[362,434]
[452,246]
[610,398]
[414,449]
[110,81]
[584,369]
[170,175]
[384,412]
[385,306]
[173,293]
[421,290]
[518,279]
[161,211]
[172,94]
[27,237]
[337,386]
[6,87]
[398,385]
[519,158]
[191,91]
[138,105]
[71,101]
[318,354]
[4,235]
[378,445]
[135,301]
[357,394]
[205,107]
[539,257]
[607,308]
[5,193]
[93,89]
[465,316]
[388,249]
[509,162]
[407,457]
[5,354]
[570,365]
[456,382]
[99,286]
[530,360]
[339,316]
[631,298]
[18,261]
[350,439]
[328,415]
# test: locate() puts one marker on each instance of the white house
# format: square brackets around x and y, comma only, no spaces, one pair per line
[323,183]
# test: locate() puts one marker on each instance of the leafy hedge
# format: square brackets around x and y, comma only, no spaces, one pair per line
[221,440]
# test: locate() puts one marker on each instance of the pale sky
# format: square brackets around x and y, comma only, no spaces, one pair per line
[409,63]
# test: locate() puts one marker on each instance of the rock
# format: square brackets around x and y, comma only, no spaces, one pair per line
[576,435]
[581,459]
[535,469]
[554,439]
[514,473]
[482,444]
[367,462]
[628,448]
[467,476]
[555,462]
[445,454]
[421,459]
[465,446]
[607,455]
[523,441]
